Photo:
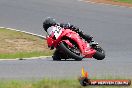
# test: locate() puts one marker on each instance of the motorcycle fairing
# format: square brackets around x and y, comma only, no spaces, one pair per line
[84,47]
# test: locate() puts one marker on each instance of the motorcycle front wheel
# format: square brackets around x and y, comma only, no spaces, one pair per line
[70,52]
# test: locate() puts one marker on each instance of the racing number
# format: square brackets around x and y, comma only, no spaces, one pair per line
[57,32]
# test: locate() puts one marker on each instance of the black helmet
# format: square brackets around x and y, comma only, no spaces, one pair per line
[48,23]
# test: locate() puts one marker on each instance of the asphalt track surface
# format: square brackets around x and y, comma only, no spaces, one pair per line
[111,27]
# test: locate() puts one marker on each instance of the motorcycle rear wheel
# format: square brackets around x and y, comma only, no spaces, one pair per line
[100,53]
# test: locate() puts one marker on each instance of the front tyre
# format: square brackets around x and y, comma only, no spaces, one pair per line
[56,56]
[70,53]
[100,53]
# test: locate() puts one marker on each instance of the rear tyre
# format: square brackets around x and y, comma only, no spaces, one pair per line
[70,53]
[100,53]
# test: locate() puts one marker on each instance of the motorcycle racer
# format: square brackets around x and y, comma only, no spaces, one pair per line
[50,24]
[68,46]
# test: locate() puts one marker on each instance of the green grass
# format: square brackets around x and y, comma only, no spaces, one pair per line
[46,83]
[126,1]
[20,45]
[49,83]
[25,55]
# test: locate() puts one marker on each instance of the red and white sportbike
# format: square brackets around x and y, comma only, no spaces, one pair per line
[69,45]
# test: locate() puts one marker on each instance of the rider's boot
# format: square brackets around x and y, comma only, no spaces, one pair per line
[89,38]
[93,43]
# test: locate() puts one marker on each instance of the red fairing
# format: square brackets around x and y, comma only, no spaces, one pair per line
[84,47]
[50,41]
[68,42]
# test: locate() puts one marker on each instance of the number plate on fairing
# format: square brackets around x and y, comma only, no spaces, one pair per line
[57,32]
